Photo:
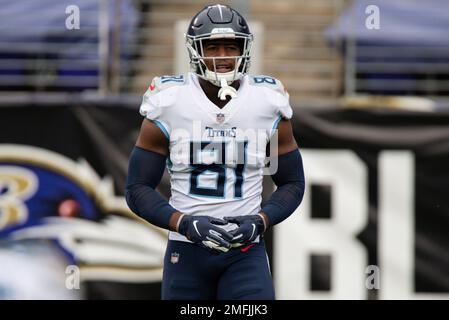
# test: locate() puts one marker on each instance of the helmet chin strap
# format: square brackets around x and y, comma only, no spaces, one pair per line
[226,90]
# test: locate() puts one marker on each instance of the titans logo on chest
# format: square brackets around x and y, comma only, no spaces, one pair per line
[226,133]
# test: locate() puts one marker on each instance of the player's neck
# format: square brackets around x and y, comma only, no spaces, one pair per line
[211,92]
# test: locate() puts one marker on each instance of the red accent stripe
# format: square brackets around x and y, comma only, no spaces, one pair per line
[247,247]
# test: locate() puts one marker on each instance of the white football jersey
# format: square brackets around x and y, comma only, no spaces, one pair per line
[217,156]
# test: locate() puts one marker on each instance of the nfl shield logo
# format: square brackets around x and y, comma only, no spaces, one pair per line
[174,257]
[220,118]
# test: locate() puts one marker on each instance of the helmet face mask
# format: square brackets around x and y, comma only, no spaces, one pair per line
[212,23]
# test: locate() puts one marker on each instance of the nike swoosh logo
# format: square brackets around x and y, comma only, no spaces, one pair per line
[254,230]
[196,228]
[237,237]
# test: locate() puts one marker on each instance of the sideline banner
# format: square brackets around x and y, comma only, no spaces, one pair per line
[67,232]
[373,225]
[375,218]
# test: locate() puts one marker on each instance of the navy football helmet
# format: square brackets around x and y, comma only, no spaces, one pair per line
[217,22]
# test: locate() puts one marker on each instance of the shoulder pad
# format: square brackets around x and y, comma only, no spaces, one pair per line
[155,98]
[268,82]
[159,84]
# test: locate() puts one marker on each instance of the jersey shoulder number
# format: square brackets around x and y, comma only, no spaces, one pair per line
[161,83]
[156,98]
[268,82]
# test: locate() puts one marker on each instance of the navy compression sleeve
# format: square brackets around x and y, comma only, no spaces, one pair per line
[290,181]
[145,171]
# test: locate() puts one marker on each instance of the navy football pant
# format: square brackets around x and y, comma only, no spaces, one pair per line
[192,272]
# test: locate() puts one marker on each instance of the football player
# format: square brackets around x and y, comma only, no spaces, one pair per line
[211,128]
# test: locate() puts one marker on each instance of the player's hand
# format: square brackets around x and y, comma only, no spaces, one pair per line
[204,231]
[249,227]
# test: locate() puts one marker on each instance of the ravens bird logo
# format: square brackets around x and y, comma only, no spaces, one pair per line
[48,198]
